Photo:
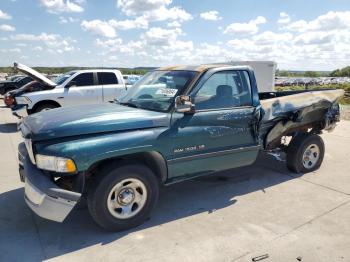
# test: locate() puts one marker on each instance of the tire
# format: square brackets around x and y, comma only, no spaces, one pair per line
[100,196]
[305,153]
[44,107]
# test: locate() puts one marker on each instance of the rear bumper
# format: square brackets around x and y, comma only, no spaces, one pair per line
[43,196]
[20,111]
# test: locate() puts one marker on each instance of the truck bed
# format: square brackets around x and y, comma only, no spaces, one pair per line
[278,104]
[293,111]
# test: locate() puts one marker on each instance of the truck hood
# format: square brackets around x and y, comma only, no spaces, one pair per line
[33,74]
[89,119]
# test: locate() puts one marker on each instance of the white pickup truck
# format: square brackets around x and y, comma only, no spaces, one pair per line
[78,87]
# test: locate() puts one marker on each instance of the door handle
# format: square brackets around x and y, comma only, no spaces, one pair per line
[60,97]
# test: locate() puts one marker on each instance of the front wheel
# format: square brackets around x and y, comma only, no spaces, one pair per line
[44,107]
[305,153]
[123,197]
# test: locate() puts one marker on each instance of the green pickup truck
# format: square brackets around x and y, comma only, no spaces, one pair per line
[176,123]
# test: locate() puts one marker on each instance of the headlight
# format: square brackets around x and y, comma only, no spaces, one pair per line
[57,164]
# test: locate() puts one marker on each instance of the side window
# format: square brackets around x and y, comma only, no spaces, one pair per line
[224,90]
[25,80]
[84,79]
[107,78]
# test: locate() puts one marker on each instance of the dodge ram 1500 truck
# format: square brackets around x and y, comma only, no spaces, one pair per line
[78,87]
[175,124]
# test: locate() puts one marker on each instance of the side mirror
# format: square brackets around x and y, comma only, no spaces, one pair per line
[71,83]
[183,104]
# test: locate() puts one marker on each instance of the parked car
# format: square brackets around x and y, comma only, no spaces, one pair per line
[131,79]
[177,123]
[13,77]
[14,83]
[78,87]
[34,86]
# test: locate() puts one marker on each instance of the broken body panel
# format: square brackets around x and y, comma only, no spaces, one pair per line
[293,111]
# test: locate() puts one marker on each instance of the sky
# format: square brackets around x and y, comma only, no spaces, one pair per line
[297,34]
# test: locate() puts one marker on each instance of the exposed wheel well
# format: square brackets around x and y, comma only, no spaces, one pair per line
[44,102]
[154,160]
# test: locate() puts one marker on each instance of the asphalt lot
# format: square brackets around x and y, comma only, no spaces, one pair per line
[236,216]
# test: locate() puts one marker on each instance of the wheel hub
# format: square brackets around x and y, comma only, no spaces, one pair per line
[126,196]
[311,156]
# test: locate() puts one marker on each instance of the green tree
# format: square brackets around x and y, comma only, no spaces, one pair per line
[311,74]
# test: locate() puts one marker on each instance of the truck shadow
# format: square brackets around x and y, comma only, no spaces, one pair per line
[204,195]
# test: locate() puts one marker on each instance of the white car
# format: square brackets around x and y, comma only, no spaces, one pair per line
[78,87]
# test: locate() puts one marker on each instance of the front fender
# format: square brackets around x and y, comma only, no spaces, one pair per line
[89,150]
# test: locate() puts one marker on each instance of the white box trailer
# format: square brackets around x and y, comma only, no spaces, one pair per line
[264,73]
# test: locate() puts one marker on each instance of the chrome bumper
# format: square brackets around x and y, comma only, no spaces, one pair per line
[44,197]
[20,111]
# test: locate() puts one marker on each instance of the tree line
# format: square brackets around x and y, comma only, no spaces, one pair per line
[344,72]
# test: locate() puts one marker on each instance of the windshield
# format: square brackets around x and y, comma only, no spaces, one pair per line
[156,90]
[19,78]
[62,78]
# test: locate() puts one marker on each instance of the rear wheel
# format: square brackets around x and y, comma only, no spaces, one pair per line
[123,197]
[305,153]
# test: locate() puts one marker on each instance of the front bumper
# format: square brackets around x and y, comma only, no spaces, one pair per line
[20,111]
[43,196]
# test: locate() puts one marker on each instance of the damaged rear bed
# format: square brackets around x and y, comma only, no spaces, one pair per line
[288,112]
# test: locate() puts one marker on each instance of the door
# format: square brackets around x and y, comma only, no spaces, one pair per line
[82,89]
[111,88]
[221,134]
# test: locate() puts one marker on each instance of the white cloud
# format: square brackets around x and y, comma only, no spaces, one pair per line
[108,28]
[3,15]
[180,45]
[128,24]
[269,37]
[137,7]
[13,50]
[65,20]
[161,37]
[211,15]
[38,48]
[284,18]
[314,38]
[50,40]
[99,27]
[30,37]
[174,24]
[7,28]
[318,44]
[249,28]
[116,45]
[110,43]
[153,10]
[329,21]
[62,6]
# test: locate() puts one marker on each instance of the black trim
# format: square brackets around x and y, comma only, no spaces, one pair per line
[212,154]
[224,108]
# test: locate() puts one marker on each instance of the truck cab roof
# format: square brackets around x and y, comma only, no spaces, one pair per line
[200,68]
